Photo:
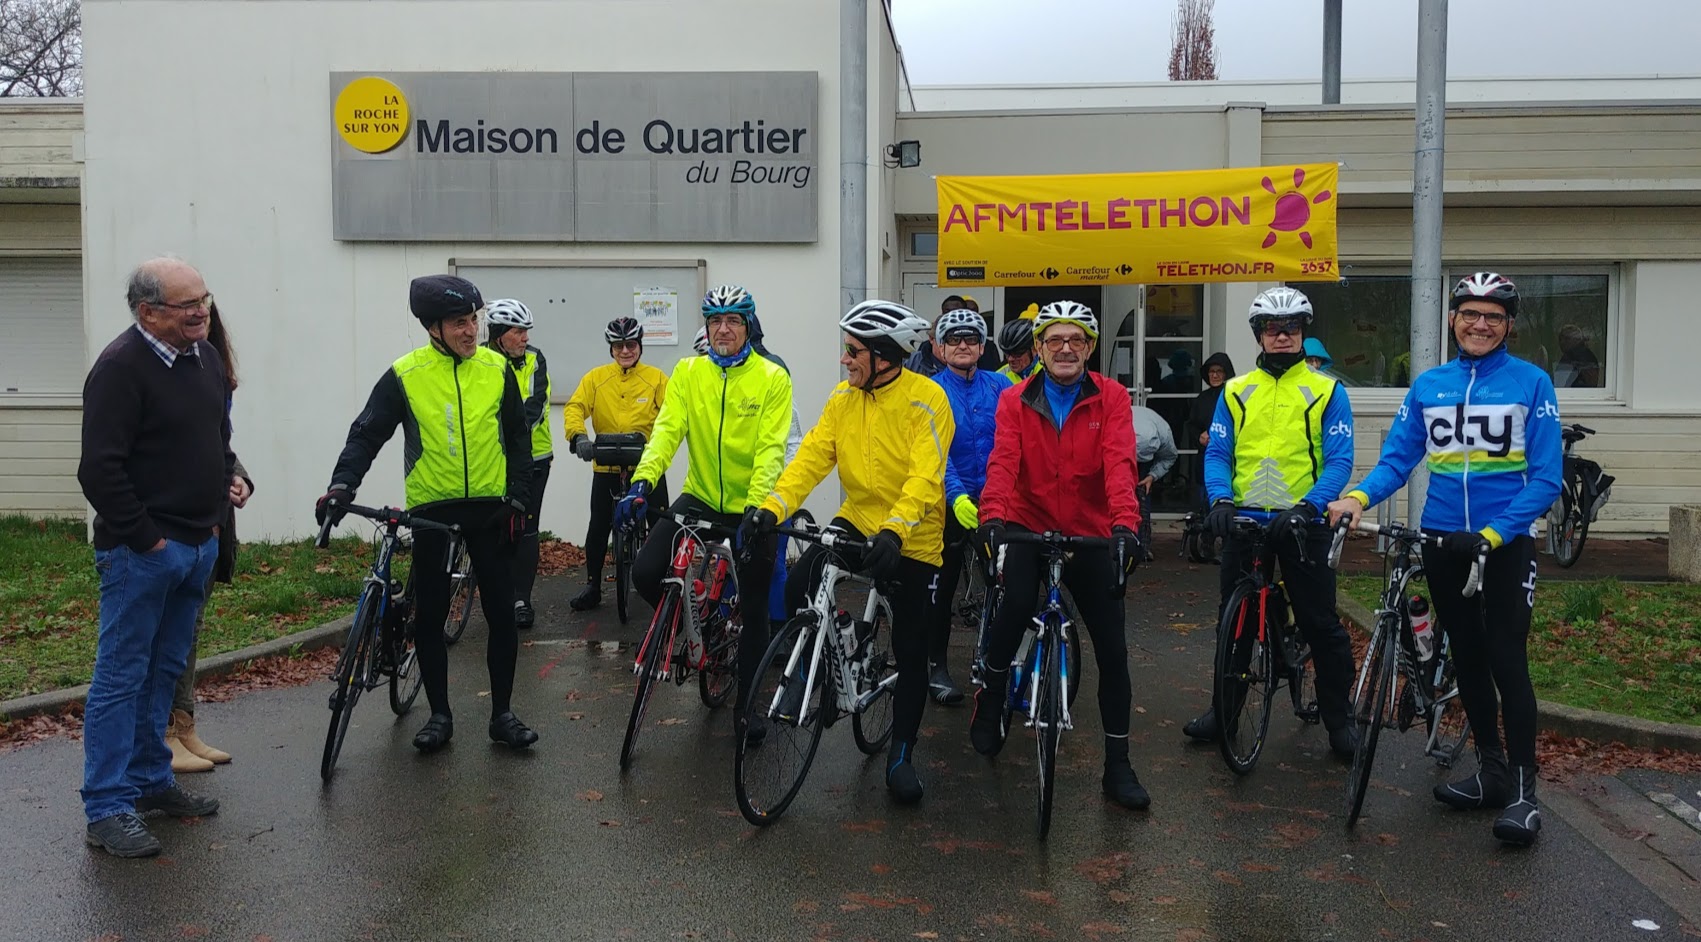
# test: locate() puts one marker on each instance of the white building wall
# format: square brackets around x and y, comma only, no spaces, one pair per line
[223,157]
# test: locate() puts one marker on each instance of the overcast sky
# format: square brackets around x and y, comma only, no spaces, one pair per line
[956,42]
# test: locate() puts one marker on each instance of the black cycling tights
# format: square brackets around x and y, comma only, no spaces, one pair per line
[526,554]
[907,593]
[1091,580]
[1489,633]
[606,491]
[492,558]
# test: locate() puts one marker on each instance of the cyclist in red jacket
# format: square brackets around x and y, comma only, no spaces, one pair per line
[1083,485]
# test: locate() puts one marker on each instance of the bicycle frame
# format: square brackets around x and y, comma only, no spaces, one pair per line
[1050,621]
[708,587]
[840,647]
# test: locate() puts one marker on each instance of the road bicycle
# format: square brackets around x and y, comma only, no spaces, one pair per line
[1047,662]
[1584,490]
[990,572]
[1259,651]
[463,588]
[1395,686]
[380,643]
[970,605]
[1197,545]
[825,663]
[695,628]
[623,451]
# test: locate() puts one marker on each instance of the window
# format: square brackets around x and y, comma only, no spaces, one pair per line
[41,312]
[1564,324]
[1365,323]
[924,243]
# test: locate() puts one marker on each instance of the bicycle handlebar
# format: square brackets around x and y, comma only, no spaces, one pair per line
[384,515]
[1053,538]
[1404,534]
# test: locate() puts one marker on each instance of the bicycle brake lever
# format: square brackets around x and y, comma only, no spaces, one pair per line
[1338,542]
[1474,581]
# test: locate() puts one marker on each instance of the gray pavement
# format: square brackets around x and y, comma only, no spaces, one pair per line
[478,843]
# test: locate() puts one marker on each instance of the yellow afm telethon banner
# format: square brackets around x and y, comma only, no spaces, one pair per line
[1191,226]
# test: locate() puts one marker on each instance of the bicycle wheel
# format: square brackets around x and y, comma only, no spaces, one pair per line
[1072,632]
[652,661]
[1449,728]
[1244,680]
[350,676]
[715,682]
[625,551]
[767,776]
[463,585]
[1573,522]
[971,597]
[1048,721]
[1371,702]
[871,726]
[405,674]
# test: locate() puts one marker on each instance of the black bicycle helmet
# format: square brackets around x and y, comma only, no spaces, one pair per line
[622,329]
[1017,337]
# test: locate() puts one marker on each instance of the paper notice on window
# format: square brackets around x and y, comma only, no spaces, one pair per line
[657,311]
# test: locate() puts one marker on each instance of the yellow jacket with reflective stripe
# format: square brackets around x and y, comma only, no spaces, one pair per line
[616,401]
[890,448]
[734,423]
[1279,436]
[455,406]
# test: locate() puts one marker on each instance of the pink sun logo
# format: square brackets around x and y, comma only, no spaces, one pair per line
[1292,210]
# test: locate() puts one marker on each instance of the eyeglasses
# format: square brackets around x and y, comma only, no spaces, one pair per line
[965,339]
[1492,318]
[1282,328]
[626,345]
[853,351]
[1056,344]
[204,302]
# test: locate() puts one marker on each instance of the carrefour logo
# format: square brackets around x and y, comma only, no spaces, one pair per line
[371,114]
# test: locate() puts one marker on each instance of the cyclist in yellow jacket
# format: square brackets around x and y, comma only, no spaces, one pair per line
[887,430]
[732,409]
[473,471]
[619,397]
[510,324]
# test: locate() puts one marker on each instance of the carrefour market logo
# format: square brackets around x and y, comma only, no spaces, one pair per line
[371,114]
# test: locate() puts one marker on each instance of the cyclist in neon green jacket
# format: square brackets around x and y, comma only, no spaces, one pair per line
[732,409]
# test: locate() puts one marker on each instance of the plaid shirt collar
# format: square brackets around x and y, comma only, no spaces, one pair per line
[166,352]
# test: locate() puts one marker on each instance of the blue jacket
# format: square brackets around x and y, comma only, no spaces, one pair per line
[974,405]
[1490,429]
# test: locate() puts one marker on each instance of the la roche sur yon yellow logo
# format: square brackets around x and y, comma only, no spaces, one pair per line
[371,114]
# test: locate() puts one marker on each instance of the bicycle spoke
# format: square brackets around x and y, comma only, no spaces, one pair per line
[790,697]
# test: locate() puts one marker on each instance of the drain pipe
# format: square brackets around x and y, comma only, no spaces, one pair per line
[1430,110]
[1331,52]
[853,153]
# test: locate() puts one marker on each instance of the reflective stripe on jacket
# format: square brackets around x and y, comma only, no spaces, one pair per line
[532,371]
[453,437]
[734,423]
[1276,442]
[890,448]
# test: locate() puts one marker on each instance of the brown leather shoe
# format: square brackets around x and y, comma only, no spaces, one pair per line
[185,723]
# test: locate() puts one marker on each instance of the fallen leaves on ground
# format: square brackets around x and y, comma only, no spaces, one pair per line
[268,673]
[555,557]
[1561,759]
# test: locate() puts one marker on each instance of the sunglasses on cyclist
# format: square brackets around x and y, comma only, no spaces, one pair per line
[961,338]
[853,351]
[626,345]
[1282,328]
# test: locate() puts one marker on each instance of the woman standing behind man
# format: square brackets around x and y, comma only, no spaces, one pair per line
[188,752]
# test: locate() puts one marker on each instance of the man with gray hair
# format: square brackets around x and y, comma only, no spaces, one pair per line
[156,467]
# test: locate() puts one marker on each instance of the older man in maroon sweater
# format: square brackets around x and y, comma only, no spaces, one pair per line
[156,467]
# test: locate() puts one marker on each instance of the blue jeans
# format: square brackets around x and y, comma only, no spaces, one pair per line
[148,603]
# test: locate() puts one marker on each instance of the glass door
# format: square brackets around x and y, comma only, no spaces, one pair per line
[1170,340]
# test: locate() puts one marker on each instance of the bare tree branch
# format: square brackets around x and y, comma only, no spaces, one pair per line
[41,48]
[1193,49]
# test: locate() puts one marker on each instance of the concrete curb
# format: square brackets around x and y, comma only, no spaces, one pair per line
[218,665]
[1576,721]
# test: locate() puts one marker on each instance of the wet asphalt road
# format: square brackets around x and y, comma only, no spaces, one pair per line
[479,843]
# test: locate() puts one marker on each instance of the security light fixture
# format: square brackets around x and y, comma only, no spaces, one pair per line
[903,154]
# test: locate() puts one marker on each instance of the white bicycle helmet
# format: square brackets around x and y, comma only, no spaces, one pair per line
[889,328]
[1486,286]
[507,312]
[960,319]
[1278,303]
[1067,312]
[700,343]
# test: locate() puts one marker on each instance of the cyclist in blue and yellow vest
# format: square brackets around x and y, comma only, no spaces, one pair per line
[467,460]
[1280,449]
[510,324]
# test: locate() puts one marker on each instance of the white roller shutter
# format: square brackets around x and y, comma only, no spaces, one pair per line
[41,321]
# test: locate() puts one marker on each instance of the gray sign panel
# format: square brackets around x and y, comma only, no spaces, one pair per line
[587,156]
